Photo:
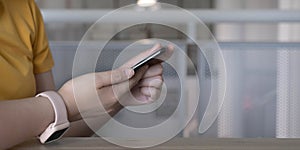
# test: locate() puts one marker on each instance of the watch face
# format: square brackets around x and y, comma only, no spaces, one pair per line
[56,135]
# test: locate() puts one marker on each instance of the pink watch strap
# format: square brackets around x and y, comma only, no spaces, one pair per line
[58,105]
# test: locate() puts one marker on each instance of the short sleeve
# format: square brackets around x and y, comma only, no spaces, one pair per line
[42,57]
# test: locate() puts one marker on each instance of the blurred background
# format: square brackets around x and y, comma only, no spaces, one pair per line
[259,39]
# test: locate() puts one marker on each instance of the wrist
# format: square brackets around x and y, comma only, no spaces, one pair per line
[70,103]
[56,129]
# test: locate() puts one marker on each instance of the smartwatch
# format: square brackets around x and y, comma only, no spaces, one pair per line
[61,124]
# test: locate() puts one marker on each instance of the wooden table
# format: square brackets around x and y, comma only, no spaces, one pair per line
[94,143]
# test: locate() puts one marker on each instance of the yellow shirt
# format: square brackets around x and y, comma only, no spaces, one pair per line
[24,49]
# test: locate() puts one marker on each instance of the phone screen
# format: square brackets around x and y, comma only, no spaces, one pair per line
[150,59]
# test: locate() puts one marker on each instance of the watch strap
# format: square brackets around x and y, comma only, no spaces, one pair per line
[58,105]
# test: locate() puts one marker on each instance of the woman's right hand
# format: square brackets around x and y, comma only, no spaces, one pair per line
[116,88]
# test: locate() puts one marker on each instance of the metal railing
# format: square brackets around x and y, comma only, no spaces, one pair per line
[207,16]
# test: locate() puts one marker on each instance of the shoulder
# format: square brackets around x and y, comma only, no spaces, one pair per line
[16,3]
[17,7]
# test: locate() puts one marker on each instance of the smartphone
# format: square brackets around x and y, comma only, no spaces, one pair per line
[151,59]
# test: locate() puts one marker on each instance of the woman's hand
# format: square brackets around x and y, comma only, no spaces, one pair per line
[104,91]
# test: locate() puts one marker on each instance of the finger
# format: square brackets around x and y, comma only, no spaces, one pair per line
[144,95]
[154,70]
[113,77]
[139,98]
[169,52]
[151,92]
[138,76]
[124,87]
[142,55]
[156,82]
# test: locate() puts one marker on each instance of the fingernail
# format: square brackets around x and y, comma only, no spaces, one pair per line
[129,72]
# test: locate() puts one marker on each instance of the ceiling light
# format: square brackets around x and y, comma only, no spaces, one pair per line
[146,3]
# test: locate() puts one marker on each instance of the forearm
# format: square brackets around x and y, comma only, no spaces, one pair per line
[23,119]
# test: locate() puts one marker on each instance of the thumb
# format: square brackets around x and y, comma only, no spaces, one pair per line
[138,76]
[122,90]
[113,77]
[124,87]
